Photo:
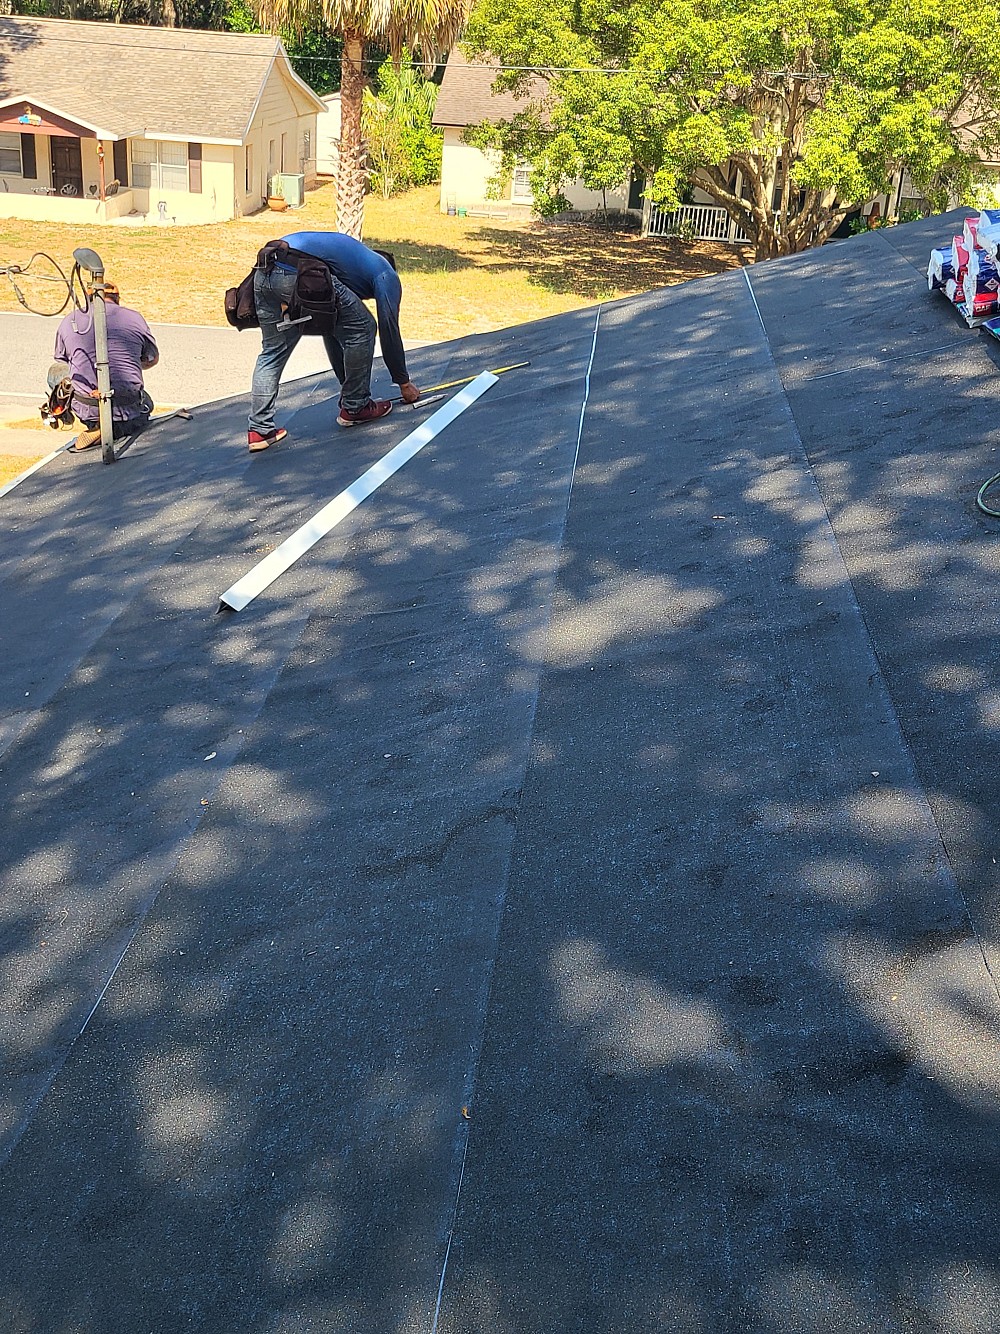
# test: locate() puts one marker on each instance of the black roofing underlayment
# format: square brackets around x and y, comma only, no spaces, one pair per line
[565,902]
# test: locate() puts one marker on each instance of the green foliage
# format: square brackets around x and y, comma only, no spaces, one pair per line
[314,51]
[169,13]
[817,103]
[315,56]
[241,16]
[403,149]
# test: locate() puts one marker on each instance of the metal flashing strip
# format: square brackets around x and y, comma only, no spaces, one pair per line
[266,571]
[21,476]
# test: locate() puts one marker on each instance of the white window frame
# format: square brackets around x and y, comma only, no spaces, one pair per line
[522,179]
[13,146]
[159,164]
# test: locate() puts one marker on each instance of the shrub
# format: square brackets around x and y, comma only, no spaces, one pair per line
[403,148]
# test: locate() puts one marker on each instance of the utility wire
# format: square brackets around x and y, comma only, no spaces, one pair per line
[376,62]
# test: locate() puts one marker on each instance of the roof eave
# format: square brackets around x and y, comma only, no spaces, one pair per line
[97,130]
[313,96]
[172,138]
[260,93]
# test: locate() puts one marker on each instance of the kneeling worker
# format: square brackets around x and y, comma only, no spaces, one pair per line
[131,350]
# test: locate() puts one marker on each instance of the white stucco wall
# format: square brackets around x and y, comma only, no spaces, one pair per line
[583,199]
[465,175]
[279,112]
[465,172]
[328,136]
[54,208]
[215,203]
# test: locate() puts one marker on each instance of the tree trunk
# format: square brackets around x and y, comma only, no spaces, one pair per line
[351,165]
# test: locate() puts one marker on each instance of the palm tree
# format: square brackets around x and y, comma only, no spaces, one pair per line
[420,25]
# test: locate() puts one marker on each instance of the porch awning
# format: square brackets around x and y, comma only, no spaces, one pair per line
[24,117]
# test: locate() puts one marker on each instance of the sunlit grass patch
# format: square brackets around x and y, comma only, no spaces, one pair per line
[460,275]
[12,464]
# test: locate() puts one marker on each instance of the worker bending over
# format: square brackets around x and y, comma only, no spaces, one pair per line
[370,276]
[348,333]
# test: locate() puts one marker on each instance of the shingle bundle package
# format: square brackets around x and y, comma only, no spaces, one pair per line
[956,259]
[940,268]
[988,231]
[969,274]
[980,284]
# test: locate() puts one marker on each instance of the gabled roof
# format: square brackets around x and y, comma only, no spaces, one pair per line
[466,96]
[122,79]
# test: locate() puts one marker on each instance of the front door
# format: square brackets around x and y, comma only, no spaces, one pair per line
[67,166]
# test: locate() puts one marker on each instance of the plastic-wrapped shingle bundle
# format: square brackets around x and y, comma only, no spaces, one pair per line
[958,257]
[969,230]
[981,283]
[939,268]
[988,231]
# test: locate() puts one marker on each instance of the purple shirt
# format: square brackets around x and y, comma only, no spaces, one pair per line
[130,343]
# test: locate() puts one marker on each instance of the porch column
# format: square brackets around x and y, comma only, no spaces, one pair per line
[100,171]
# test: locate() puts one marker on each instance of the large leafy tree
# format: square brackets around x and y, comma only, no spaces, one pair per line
[393,25]
[789,113]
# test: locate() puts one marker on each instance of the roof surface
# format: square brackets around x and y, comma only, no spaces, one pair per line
[567,899]
[465,96]
[126,79]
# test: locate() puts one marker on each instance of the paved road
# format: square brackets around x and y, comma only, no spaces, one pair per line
[197,364]
[565,902]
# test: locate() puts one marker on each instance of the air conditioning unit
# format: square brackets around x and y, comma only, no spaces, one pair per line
[293,187]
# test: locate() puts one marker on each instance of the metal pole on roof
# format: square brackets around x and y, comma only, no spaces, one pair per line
[92,262]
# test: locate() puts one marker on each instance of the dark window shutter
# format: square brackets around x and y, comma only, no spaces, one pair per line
[29,169]
[194,168]
[121,161]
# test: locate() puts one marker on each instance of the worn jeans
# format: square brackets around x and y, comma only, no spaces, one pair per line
[141,410]
[350,347]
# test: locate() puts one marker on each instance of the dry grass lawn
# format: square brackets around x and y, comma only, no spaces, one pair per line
[460,275]
[12,464]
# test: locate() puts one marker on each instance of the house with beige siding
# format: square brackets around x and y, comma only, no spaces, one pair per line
[466,98]
[103,122]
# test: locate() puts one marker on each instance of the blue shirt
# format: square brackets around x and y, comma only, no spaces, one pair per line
[368,276]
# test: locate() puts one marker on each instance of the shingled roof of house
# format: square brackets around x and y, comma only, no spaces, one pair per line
[170,82]
[467,98]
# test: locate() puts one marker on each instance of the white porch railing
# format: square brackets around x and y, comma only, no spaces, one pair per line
[703,222]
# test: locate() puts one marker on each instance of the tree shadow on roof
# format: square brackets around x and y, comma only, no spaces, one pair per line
[740,1067]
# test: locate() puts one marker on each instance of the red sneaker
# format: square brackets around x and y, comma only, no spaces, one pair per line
[257,442]
[373,409]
